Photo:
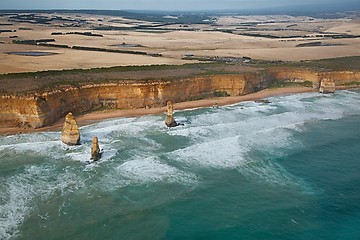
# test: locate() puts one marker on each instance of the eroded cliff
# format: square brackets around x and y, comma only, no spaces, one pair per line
[44,108]
[41,109]
[301,75]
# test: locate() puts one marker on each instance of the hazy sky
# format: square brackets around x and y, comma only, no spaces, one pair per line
[157,4]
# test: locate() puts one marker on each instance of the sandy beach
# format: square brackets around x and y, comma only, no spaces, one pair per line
[94,117]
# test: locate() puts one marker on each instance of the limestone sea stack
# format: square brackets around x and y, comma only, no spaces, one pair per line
[327,85]
[95,149]
[70,133]
[170,121]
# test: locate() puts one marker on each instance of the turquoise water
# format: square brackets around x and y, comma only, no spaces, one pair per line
[285,170]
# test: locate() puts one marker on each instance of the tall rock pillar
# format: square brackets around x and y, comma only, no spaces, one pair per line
[170,121]
[70,133]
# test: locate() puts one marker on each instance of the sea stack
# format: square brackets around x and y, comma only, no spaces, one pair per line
[95,149]
[70,133]
[170,121]
[327,85]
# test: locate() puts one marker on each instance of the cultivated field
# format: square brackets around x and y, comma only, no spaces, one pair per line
[80,40]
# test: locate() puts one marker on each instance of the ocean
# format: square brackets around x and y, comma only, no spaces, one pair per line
[289,169]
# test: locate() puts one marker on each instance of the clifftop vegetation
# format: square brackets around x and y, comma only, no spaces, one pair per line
[47,80]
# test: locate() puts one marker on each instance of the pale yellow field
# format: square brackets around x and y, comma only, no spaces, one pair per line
[72,59]
[174,44]
[352,27]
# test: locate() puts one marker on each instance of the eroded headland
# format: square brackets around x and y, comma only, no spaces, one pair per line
[53,63]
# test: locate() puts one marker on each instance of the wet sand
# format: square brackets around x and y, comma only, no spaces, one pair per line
[94,117]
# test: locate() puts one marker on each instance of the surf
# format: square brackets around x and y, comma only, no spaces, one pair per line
[244,140]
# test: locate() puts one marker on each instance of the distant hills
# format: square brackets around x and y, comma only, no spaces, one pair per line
[314,10]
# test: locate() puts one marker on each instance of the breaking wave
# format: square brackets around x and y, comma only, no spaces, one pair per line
[245,137]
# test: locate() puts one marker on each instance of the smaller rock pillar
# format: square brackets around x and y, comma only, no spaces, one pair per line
[95,149]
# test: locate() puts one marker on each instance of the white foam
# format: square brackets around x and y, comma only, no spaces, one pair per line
[224,153]
[36,143]
[83,154]
[216,138]
[124,126]
[107,155]
[38,148]
[20,191]
[150,169]
[13,212]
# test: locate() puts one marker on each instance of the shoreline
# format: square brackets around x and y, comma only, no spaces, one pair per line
[94,117]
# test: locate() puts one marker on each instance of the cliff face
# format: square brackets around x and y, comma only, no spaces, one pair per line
[339,77]
[46,108]
[22,111]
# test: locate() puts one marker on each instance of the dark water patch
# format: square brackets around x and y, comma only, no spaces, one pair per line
[33,54]
[319,44]
[126,45]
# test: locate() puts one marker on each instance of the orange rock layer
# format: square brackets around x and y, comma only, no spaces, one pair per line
[70,134]
[45,108]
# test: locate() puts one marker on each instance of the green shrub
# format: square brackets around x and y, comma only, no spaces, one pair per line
[280,84]
[219,93]
[352,84]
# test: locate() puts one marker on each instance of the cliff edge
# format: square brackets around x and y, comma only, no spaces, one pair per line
[42,108]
